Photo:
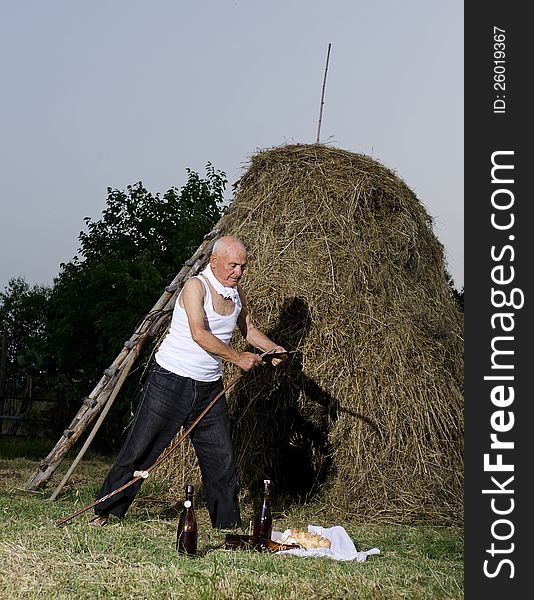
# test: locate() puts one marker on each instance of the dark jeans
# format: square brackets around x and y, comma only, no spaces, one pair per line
[168,403]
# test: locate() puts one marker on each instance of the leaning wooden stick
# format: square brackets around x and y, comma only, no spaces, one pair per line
[130,360]
[162,458]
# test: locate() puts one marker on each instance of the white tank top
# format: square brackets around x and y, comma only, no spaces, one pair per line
[180,354]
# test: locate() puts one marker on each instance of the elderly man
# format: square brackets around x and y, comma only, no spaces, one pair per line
[186,376]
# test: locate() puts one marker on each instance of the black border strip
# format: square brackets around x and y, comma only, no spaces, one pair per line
[497,121]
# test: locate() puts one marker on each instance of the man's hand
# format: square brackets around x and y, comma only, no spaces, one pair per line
[278,350]
[248,361]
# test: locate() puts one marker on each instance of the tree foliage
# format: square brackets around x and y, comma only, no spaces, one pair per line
[458,295]
[23,318]
[126,259]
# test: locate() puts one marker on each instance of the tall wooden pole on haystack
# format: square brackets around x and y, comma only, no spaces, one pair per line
[322,94]
[106,390]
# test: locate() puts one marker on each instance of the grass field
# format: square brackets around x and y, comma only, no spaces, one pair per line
[136,557]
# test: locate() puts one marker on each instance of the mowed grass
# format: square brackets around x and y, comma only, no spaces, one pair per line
[136,557]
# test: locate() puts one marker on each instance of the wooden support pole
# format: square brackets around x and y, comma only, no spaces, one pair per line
[322,94]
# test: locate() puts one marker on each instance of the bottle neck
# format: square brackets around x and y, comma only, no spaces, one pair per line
[189,492]
[189,496]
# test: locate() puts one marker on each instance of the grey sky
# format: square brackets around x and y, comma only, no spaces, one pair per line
[106,94]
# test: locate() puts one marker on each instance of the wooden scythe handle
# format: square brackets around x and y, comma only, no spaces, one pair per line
[162,458]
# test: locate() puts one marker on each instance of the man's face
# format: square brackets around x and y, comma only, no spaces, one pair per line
[228,265]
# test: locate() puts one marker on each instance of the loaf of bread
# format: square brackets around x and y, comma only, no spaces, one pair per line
[305,539]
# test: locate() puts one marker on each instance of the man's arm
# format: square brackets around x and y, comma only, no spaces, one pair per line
[253,335]
[192,297]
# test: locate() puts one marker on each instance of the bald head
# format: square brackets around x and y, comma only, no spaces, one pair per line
[228,260]
[227,243]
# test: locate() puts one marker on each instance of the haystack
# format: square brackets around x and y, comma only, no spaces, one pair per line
[344,267]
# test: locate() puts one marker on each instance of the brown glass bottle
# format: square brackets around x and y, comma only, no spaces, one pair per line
[186,537]
[263,524]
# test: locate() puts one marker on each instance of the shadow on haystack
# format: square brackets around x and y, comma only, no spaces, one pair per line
[281,417]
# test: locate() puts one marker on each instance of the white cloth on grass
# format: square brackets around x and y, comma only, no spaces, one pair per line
[341,546]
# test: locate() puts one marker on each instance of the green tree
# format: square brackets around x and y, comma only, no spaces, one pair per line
[23,317]
[458,295]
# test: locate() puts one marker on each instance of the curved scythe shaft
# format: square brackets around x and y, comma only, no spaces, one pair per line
[162,458]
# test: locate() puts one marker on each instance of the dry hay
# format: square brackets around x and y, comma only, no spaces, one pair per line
[345,268]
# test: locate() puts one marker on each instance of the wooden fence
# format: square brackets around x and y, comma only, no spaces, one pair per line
[26,416]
